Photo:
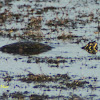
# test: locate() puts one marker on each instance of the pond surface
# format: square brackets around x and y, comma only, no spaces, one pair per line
[43,21]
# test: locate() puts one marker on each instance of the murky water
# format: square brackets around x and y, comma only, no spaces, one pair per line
[83,17]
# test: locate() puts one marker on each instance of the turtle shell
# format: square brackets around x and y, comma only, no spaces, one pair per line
[91,47]
[25,48]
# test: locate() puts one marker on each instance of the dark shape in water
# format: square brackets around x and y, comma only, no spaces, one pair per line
[98,26]
[25,48]
[91,47]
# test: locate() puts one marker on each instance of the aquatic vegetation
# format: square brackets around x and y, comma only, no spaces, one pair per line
[9,16]
[34,23]
[5,76]
[75,97]
[63,36]
[3,17]
[45,21]
[76,83]
[56,60]
[8,78]
[44,78]
[57,22]
[34,35]
[38,97]
[17,95]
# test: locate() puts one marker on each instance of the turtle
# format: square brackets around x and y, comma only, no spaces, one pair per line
[25,48]
[91,47]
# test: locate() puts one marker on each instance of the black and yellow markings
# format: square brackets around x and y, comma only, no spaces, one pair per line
[91,47]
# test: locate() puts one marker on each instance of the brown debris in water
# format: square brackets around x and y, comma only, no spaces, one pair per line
[17,95]
[25,96]
[34,35]
[45,9]
[44,78]
[56,60]
[8,78]
[34,23]
[38,97]
[9,16]
[76,97]
[3,17]
[57,22]
[63,36]
[5,76]
[76,83]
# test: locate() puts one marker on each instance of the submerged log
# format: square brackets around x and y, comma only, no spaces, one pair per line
[25,48]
